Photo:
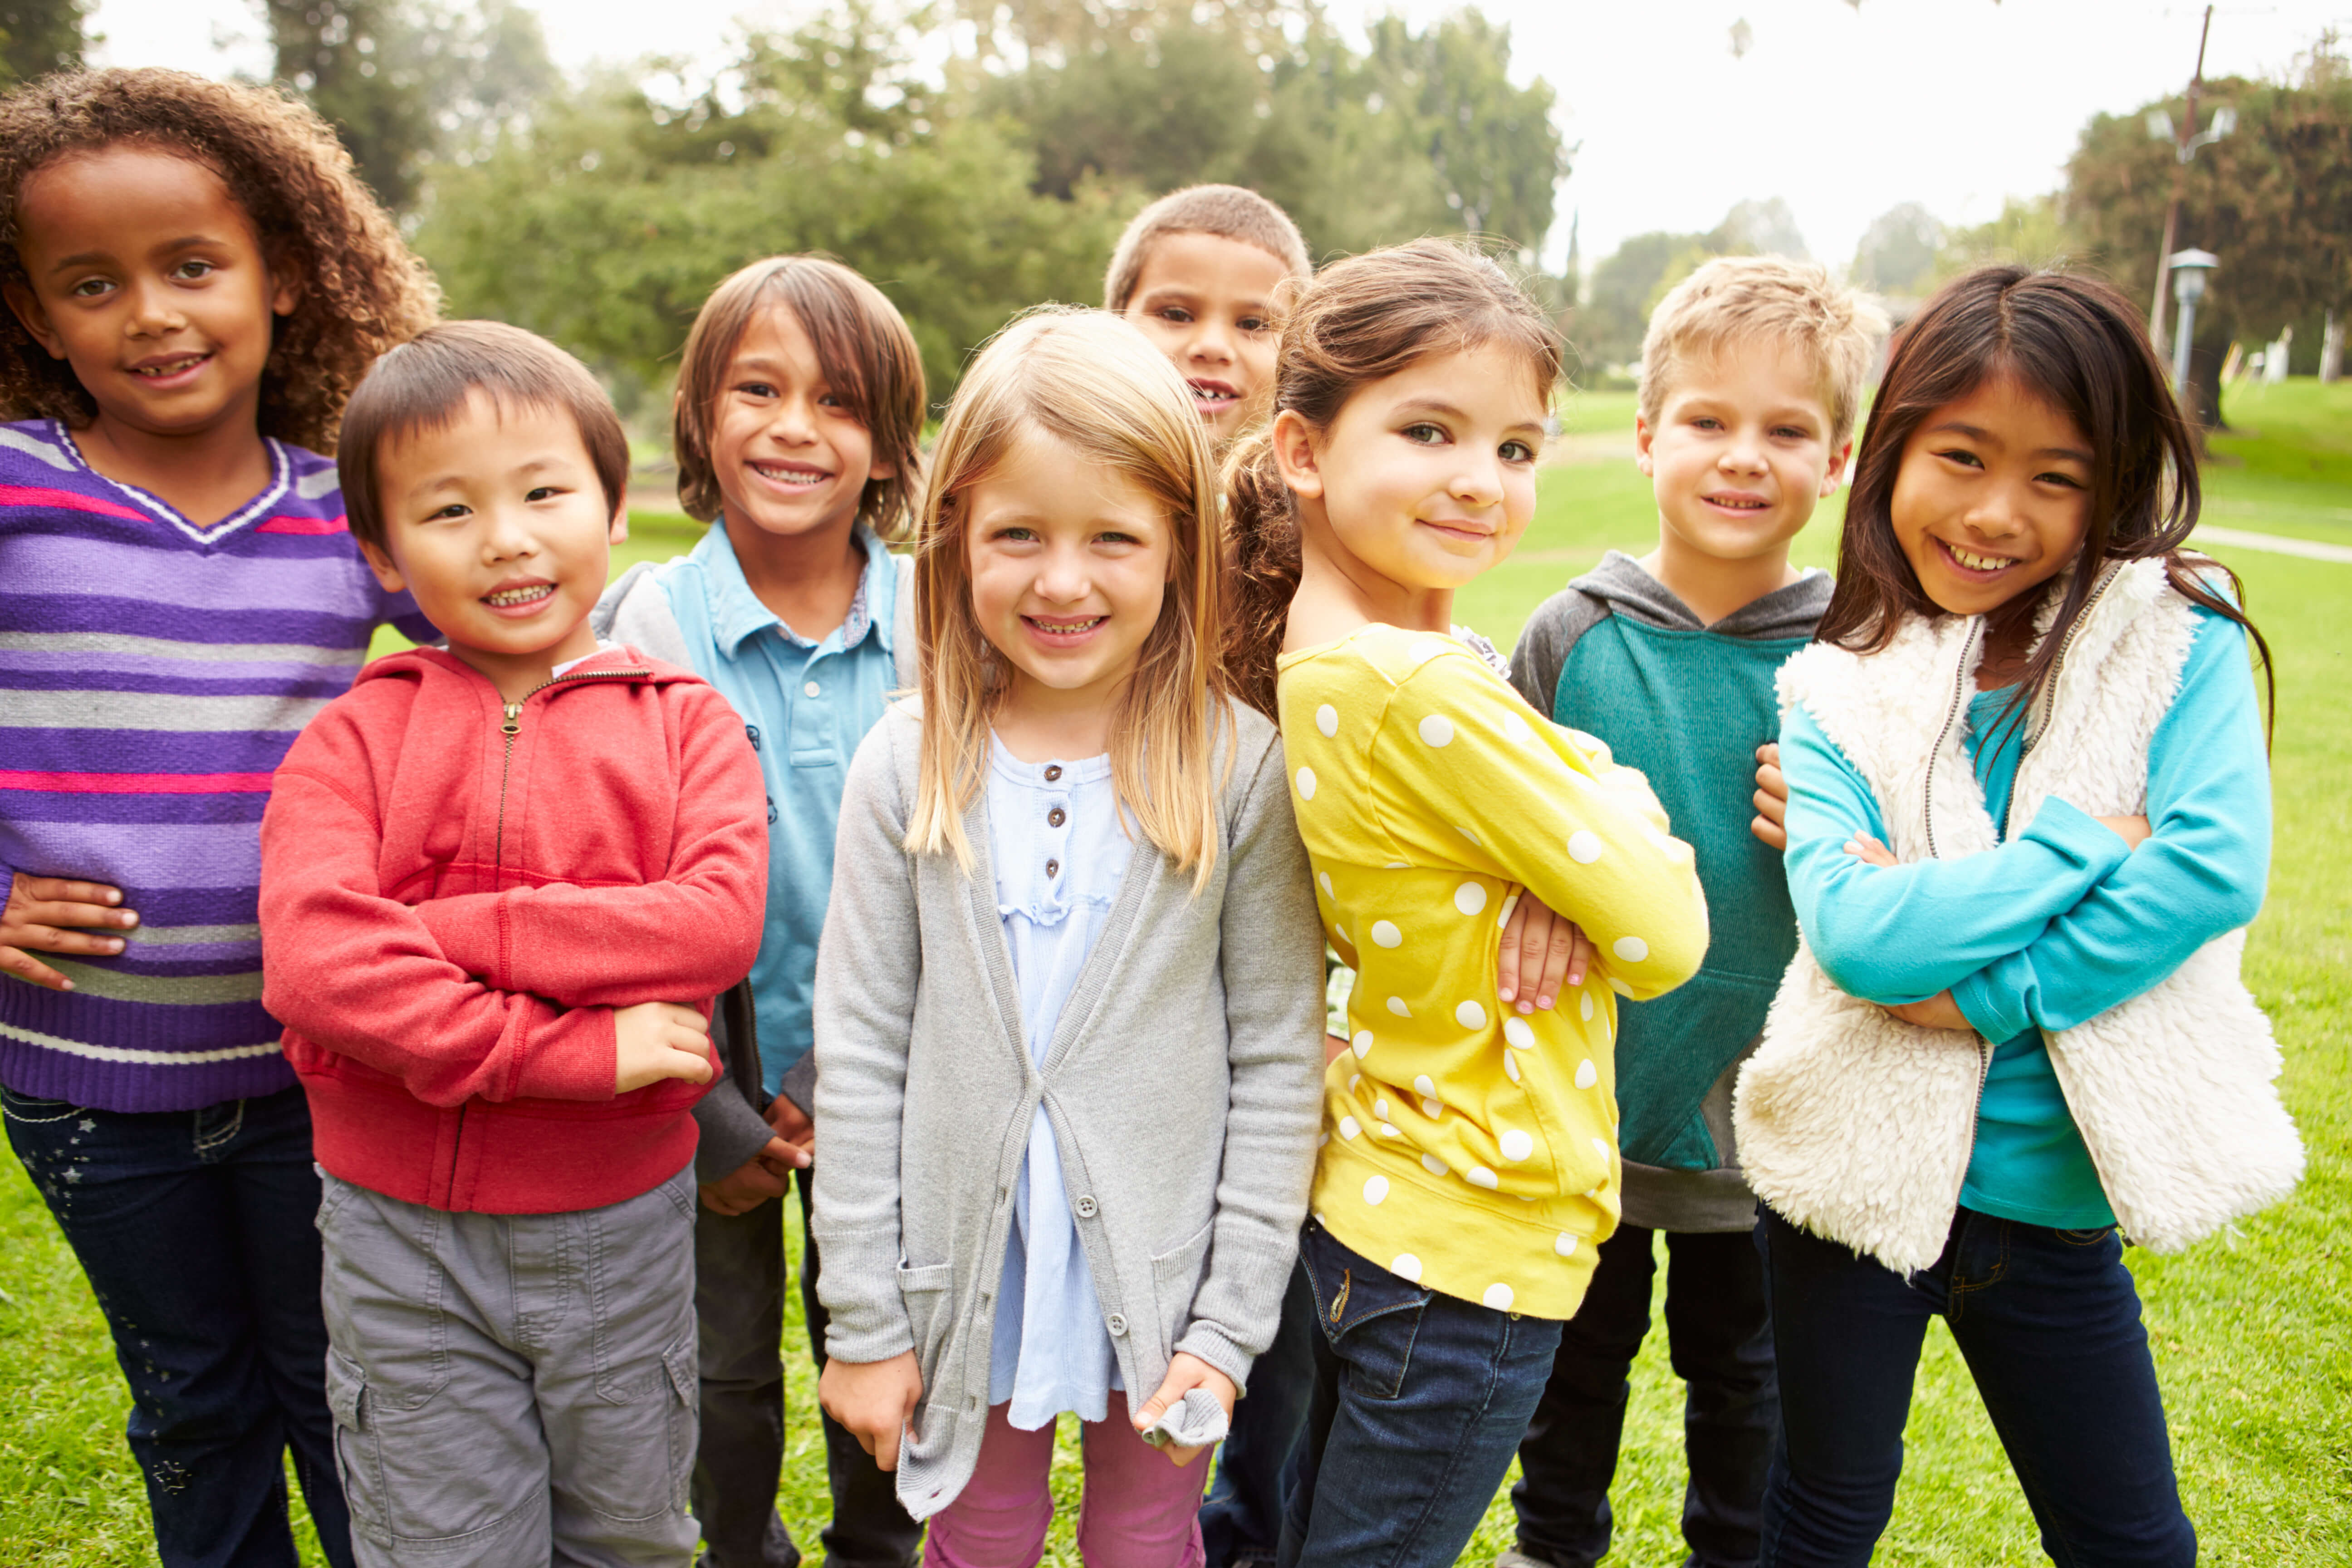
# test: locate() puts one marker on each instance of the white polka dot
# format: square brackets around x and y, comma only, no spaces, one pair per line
[1406,1267]
[1433,1164]
[1323,880]
[1394,866]
[1519,1033]
[1385,934]
[1511,1066]
[1619,987]
[1362,1044]
[1584,847]
[1424,1086]
[1381,1108]
[1517,1145]
[1498,1298]
[1350,1126]
[1375,1189]
[1389,1132]
[1601,1147]
[1632,949]
[1584,1005]
[1470,898]
[1502,915]
[1353,1080]
[1396,1006]
[1433,1109]
[1470,835]
[1479,1176]
[1325,1139]
[1515,727]
[1587,1075]
[1343,933]
[1437,730]
[1564,1243]
[1307,784]
[1326,719]
[1319,1216]
[1470,1015]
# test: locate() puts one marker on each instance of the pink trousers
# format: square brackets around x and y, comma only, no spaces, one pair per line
[1138,1511]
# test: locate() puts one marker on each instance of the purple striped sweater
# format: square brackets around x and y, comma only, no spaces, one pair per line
[153,673]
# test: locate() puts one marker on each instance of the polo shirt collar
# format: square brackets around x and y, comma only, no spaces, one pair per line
[737,613]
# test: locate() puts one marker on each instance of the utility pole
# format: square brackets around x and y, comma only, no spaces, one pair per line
[2181,154]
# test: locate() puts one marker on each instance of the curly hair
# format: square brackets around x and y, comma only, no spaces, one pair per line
[363,292]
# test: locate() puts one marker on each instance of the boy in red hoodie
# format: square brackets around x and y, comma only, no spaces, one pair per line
[500,885]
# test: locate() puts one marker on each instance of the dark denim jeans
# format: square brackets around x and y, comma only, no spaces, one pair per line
[195,1229]
[2049,1323]
[1420,1400]
[1718,1335]
[1241,1521]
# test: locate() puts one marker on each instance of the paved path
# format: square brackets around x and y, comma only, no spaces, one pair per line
[2277,544]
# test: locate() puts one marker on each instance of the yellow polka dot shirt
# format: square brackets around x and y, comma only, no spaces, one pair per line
[1466,1146]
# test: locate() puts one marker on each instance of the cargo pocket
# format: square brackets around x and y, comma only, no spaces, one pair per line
[1176,1280]
[645,1410]
[686,1424]
[357,1463]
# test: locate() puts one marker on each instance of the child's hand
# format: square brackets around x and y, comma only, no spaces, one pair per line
[1870,851]
[654,1040]
[793,1128]
[873,1399]
[1332,1046]
[755,1181]
[42,916]
[1185,1370]
[1540,945]
[1771,820]
[2133,830]
[1937,1011]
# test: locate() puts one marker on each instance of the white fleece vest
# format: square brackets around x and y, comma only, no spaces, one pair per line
[1857,1126]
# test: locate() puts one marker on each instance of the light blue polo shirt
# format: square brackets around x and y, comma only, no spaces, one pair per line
[805,706]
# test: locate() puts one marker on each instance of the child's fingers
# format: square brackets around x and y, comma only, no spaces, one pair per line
[1770,832]
[16,960]
[67,890]
[686,1055]
[44,936]
[1580,955]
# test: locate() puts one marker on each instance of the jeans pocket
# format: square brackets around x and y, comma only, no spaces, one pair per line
[1370,1316]
[2092,1237]
[33,1107]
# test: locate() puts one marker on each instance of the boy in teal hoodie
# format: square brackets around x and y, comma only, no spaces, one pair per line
[1752,373]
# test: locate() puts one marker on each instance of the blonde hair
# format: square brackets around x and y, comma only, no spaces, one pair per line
[1228,212]
[1095,383]
[1735,299]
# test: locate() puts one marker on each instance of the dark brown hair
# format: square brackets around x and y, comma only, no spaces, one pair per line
[870,361]
[423,384]
[361,290]
[1360,321]
[2078,344]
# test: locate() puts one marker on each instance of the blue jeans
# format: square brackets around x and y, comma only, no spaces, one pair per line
[1720,1341]
[2049,1325]
[1420,1400]
[1241,1521]
[195,1229]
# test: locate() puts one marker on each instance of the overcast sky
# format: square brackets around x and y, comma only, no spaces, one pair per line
[1843,112]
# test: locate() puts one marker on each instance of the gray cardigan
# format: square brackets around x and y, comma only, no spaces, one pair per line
[1184,1086]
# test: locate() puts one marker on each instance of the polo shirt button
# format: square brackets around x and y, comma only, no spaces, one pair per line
[753,731]
[1053,772]
[1053,868]
[1056,817]
[1117,1324]
[813,689]
[1085,1205]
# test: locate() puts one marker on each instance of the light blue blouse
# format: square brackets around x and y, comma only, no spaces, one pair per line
[1060,848]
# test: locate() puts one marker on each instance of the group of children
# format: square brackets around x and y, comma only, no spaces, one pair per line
[1000,874]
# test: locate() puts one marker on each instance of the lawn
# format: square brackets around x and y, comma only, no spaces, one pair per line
[2252,1332]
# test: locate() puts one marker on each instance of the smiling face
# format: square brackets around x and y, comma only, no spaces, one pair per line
[1740,452]
[1208,303]
[497,523]
[148,279]
[1993,498]
[1069,562]
[1426,478]
[790,457]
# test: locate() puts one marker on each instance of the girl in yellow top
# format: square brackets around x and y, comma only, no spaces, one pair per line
[1469,1162]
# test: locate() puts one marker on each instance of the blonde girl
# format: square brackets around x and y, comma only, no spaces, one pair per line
[1470,1168]
[1068,995]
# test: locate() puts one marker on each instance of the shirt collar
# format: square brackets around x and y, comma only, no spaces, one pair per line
[737,613]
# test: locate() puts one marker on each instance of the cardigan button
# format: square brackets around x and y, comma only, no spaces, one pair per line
[1053,772]
[1056,817]
[1085,1205]
[1117,1324]
[1053,868]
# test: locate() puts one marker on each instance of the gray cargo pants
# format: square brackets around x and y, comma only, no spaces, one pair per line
[513,1388]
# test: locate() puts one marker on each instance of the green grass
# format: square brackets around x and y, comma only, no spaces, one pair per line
[2252,1334]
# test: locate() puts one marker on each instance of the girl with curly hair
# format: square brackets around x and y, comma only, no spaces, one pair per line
[195,280]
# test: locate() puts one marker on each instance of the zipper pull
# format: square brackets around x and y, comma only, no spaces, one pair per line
[513,726]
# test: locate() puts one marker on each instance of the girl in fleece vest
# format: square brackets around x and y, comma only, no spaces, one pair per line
[2029,819]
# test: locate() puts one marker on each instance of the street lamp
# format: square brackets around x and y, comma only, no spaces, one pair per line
[2188,270]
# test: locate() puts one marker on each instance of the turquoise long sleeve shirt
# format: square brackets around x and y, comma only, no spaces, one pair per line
[2059,924]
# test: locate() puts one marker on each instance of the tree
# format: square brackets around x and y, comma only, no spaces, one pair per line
[1759,229]
[1898,253]
[2028,232]
[38,36]
[1607,330]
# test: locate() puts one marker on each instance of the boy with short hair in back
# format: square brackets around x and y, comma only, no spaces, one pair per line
[1751,375]
[1201,272]
[500,885]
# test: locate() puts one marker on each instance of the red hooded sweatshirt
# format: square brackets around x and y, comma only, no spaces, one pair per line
[456,893]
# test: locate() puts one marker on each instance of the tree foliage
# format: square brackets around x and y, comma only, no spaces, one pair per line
[38,36]
[1898,252]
